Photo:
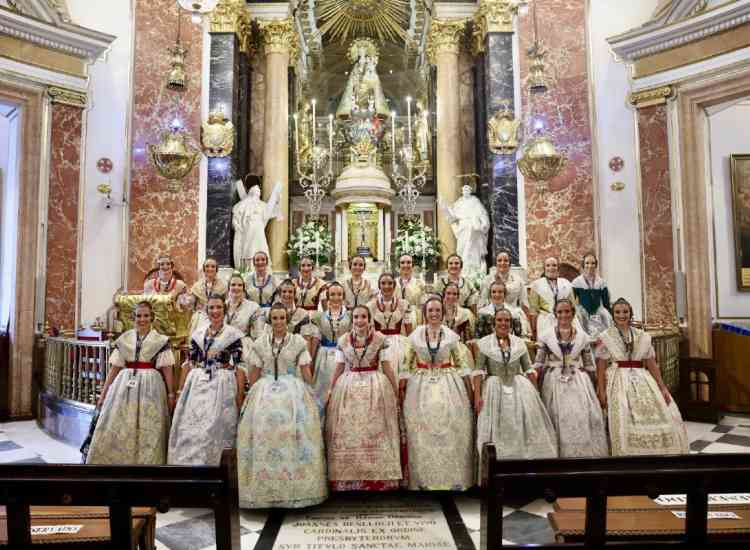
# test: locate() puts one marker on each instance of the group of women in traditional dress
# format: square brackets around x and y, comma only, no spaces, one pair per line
[340,386]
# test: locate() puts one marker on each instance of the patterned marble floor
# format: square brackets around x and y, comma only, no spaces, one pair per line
[192,529]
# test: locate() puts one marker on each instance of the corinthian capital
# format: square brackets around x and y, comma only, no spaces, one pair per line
[279,36]
[493,16]
[445,37]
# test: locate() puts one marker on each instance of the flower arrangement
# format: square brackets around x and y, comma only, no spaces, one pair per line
[312,240]
[417,240]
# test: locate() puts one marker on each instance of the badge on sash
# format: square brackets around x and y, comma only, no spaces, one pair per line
[133,382]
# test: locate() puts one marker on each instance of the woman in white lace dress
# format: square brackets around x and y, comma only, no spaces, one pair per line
[643,417]
[565,358]
[511,414]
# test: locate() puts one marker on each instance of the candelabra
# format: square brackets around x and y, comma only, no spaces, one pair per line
[316,180]
[410,184]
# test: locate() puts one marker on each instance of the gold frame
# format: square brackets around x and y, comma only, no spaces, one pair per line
[740,217]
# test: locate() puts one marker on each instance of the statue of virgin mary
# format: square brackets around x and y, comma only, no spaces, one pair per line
[363,92]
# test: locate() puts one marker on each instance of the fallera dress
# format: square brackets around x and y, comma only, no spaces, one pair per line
[545,293]
[200,292]
[362,429]
[328,328]
[390,318]
[280,452]
[205,419]
[593,304]
[513,416]
[640,421]
[437,413]
[133,423]
[569,395]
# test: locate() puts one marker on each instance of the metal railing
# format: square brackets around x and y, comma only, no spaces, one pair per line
[76,369]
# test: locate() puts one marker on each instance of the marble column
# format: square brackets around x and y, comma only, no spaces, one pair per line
[493,44]
[279,41]
[444,43]
[658,267]
[61,303]
[228,93]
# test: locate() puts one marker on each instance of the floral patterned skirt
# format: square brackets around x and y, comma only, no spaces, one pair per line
[640,421]
[575,413]
[440,429]
[134,421]
[362,433]
[205,419]
[281,460]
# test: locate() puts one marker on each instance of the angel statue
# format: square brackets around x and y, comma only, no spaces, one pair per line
[471,225]
[249,218]
[363,92]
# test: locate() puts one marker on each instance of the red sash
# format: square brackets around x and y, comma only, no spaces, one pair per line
[364,369]
[390,331]
[139,365]
[630,364]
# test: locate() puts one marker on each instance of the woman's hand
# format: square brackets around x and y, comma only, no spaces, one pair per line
[171,402]
[101,399]
[478,403]
[601,393]
[532,377]
[666,395]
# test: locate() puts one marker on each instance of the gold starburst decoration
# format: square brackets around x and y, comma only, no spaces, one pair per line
[382,19]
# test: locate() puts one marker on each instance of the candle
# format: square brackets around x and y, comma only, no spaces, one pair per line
[408,119]
[296,136]
[313,123]
[330,144]
[393,138]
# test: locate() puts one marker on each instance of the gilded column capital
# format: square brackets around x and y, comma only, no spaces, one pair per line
[445,37]
[651,97]
[64,96]
[493,16]
[280,36]
[232,16]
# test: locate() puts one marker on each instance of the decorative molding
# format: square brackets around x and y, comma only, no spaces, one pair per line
[445,37]
[647,40]
[64,96]
[280,36]
[64,37]
[672,11]
[232,16]
[649,98]
[454,10]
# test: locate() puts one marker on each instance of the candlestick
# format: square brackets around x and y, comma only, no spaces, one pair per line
[296,137]
[330,144]
[408,119]
[314,143]
[393,138]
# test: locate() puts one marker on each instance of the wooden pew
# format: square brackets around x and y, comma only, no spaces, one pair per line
[596,479]
[120,488]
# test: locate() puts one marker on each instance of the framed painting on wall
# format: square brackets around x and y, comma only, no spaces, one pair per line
[740,169]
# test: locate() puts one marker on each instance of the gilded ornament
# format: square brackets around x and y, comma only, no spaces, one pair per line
[168,319]
[493,16]
[502,130]
[649,98]
[217,135]
[177,76]
[445,37]
[537,81]
[172,158]
[228,16]
[540,161]
[342,20]
[280,36]
[617,186]
[63,96]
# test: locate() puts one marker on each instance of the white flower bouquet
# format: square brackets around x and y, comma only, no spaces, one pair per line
[311,240]
[419,241]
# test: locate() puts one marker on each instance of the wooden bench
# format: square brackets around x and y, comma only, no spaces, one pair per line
[120,489]
[598,479]
[93,522]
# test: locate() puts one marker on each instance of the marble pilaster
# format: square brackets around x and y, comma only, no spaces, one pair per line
[656,208]
[560,221]
[444,43]
[62,216]
[228,91]
[279,41]
[162,222]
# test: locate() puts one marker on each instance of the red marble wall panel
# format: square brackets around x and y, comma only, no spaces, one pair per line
[162,222]
[62,217]
[656,194]
[560,221]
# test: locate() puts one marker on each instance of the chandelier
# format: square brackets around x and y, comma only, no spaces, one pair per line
[314,162]
[198,8]
[410,183]
[540,159]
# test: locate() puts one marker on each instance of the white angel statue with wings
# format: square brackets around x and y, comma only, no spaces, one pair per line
[249,218]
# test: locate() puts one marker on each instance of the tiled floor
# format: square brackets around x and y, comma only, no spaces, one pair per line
[525,522]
